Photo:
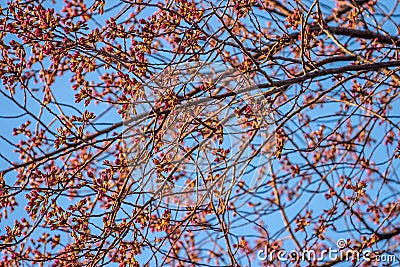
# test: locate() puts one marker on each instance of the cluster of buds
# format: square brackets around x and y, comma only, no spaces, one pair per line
[280,140]
[358,188]
[220,154]
[167,101]
[293,20]
[242,7]
[302,222]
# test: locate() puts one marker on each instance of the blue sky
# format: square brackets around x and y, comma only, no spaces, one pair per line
[272,221]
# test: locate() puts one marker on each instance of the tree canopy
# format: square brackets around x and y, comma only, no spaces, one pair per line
[199,133]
